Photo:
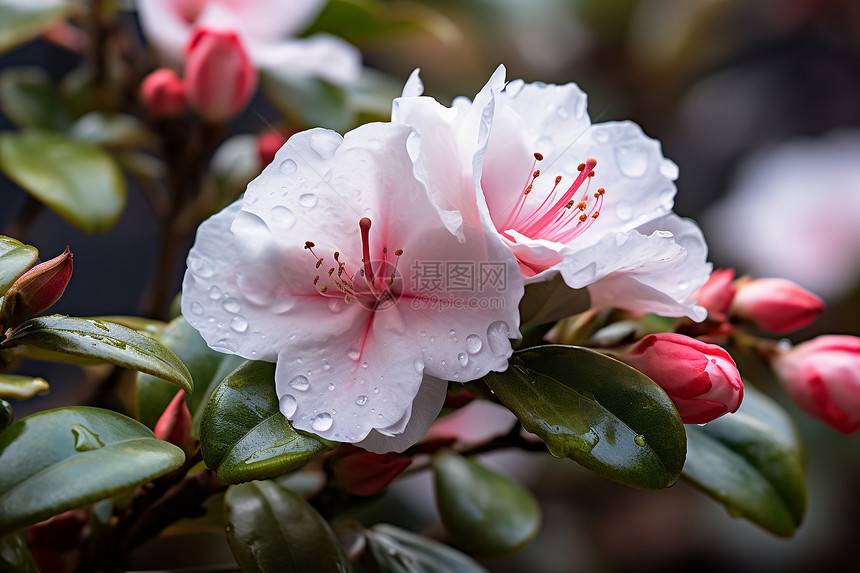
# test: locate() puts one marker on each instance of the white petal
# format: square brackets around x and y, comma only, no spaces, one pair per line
[165,27]
[321,55]
[270,20]
[414,87]
[426,406]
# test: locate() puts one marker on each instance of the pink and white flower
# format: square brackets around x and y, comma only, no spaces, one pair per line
[324,268]
[267,29]
[591,202]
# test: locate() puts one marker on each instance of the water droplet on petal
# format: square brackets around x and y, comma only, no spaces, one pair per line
[224,344]
[287,405]
[473,344]
[423,333]
[452,333]
[432,339]
[562,112]
[353,354]
[300,383]
[214,293]
[200,267]
[288,167]
[364,364]
[632,160]
[231,305]
[419,366]
[321,422]
[330,387]
[283,217]
[361,400]
[308,200]
[196,308]
[497,338]
[463,359]
[239,323]
[443,363]
[376,390]
[326,366]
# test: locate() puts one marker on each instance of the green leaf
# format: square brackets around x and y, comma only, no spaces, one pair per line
[21,387]
[597,411]
[307,100]
[78,180]
[203,363]
[243,434]
[112,130]
[394,550]
[61,459]
[15,556]
[30,99]
[485,513]
[22,20]
[104,341]
[6,415]
[551,300]
[273,530]
[751,461]
[15,259]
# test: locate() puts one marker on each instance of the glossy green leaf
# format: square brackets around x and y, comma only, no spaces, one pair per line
[751,461]
[307,100]
[146,326]
[15,259]
[78,180]
[550,301]
[21,387]
[273,530]
[61,459]
[597,411]
[244,436]
[394,550]
[104,341]
[203,363]
[112,130]
[23,20]
[15,556]
[29,98]
[484,513]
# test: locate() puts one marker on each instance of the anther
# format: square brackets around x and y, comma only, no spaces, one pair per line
[539,156]
[316,279]
[398,252]
[309,245]
[536,174]
[583,218]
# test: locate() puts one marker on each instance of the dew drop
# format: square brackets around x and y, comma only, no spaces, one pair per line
[287,405]
[196,308]
[300,383]
[225,344]
[632,160]
[497,338]
[376,390]
[640,440]
[326,366]
[200,267]
[443,363]
[308,200]
[364,364]
[379,416]
[321,422]
[463,359]
[432,339]
[214,292]
[702,425]
[288,167]
[353,354]
[283,217]
[231,305]
[473,344]
[331,387]
[361,400]
[423,333]
[419,366]
[624,210]
[239,323]
[452,333]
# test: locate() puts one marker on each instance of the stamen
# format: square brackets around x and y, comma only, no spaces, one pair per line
[364,225]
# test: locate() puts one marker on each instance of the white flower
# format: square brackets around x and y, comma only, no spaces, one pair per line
[267,29]
[793,213]
[330,267]
[613,232]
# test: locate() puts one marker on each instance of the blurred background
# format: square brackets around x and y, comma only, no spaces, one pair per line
[757,101]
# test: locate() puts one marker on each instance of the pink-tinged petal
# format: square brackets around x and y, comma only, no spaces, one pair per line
[323,56]
[413,87]
[167,24]
[476,422]
[267,20]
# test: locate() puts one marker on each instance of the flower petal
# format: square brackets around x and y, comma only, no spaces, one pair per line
[321,55]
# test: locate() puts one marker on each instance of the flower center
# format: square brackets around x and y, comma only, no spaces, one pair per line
[375,284]
[561,217]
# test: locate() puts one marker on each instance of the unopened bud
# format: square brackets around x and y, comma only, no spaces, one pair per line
[36,290]
[364,473]
[174,425]
[776,305]
[716,295]
[163,93]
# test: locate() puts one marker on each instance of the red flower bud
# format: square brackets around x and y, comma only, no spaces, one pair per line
[163,93]
[268,144]
[364,473]
[701,379]
[219,76]
[716,294]
[36,290]
[777,305]
[822,376]
[174,425]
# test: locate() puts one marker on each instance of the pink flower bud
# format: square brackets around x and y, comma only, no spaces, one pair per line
[777,305]
[163,93]
[716,294]
[174,425]
[268,144]
[36,290]
[822,376]
[364,473]
[701,379]
[219,77]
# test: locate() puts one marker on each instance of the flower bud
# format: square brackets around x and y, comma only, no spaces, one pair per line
[716,294]
[776,305]
[163,93]
[174,425]
[701,379]
[268,144]
[36,290]
[364,473]
[822,376]
[219,77]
